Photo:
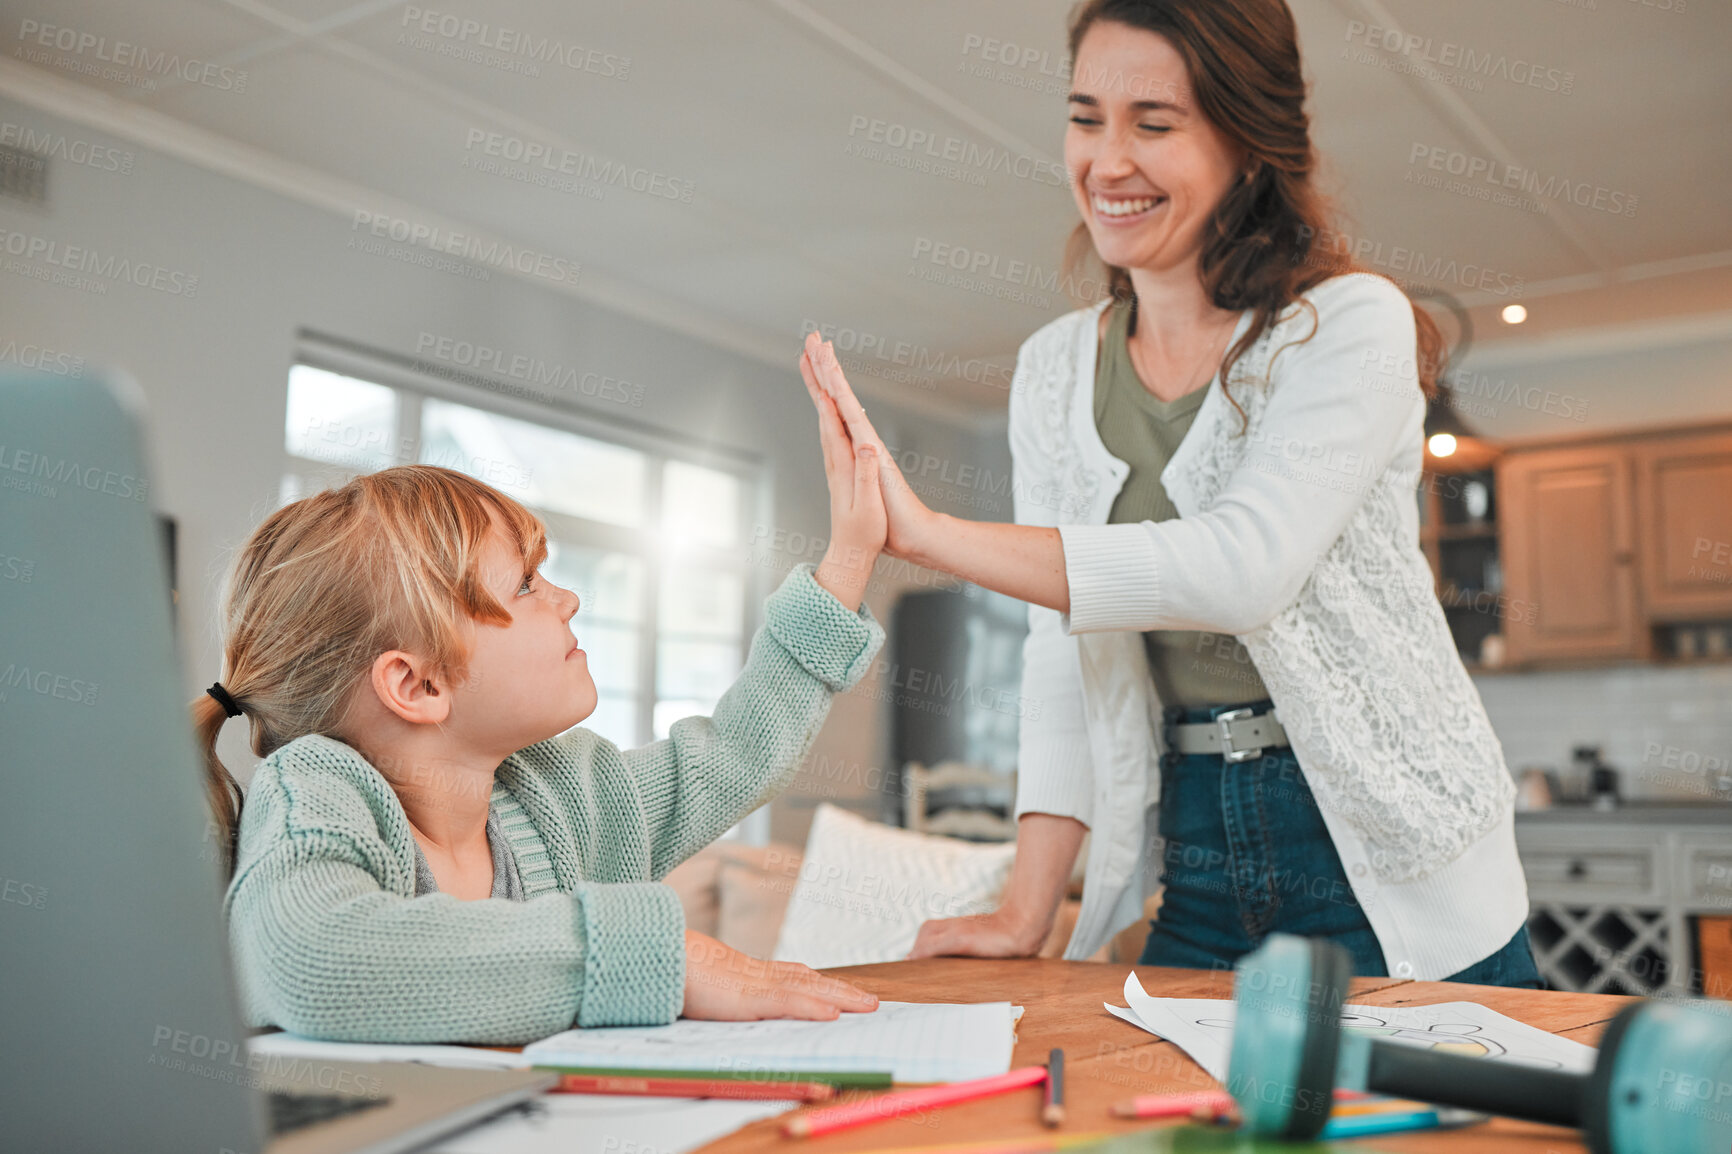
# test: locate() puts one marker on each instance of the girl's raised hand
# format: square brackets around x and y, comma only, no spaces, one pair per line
[909,520]
[857,518]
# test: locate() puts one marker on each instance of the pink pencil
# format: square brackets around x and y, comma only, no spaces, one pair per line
[833,1118]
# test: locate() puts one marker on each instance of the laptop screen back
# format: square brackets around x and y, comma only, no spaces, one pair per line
[116,1007]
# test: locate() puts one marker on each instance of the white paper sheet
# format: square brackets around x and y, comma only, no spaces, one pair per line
[594,1124]
[917,1042]
[1203,1029]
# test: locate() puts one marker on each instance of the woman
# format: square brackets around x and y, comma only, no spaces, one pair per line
[1218,538]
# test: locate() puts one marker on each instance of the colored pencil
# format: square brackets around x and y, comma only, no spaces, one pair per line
[842,1079]
[1377,1105]
[1035,1144]
[833,1118]
[1215,1102]
[1173,1105]
[695,1088]
[1052,1113]
[1359,1125]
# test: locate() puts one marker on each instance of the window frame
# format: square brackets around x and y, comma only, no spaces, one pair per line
[413,382]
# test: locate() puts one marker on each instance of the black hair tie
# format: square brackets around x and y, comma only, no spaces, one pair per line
[223,699]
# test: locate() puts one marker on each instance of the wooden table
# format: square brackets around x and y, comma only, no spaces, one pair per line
[1106,1059]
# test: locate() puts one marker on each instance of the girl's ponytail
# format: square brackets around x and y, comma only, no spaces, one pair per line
[222,789]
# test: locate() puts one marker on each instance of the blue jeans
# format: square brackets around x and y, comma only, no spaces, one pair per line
[1244,854]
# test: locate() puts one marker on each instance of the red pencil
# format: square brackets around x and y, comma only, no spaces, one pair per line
[695,1088]
[833,1118]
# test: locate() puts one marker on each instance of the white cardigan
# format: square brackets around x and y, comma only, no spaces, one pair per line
[1300,536]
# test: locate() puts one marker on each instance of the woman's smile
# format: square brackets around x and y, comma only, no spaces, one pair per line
[1123,211]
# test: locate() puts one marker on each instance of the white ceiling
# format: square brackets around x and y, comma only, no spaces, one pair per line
[752,101]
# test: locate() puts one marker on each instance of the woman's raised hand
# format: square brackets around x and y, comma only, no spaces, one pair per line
[909,520]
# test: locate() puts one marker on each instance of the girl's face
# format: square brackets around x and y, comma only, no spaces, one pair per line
[528,680]
[1147,168]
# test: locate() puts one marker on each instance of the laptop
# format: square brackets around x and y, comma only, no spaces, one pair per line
[120,1024]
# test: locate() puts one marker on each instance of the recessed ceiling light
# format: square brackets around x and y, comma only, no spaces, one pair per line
[1515,314]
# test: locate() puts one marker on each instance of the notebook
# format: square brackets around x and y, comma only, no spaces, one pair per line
[916,1041]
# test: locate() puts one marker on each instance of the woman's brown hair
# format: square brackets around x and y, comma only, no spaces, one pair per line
[324,585]
[1269,239]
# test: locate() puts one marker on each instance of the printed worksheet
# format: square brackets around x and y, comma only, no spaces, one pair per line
[1203,1029]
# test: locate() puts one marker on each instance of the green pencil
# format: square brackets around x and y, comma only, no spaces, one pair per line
[851,1079]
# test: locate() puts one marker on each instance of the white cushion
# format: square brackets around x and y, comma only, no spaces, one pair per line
[862,890]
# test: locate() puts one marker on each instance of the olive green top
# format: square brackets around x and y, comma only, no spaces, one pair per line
[1143,431]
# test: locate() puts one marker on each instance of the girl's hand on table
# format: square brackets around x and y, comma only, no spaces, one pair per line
[724,985]
[910,521]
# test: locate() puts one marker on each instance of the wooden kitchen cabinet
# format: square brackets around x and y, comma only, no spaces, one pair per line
[1568,546]
[1684,525]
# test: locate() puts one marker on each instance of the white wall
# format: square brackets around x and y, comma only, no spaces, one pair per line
[214,366]
[1667,730]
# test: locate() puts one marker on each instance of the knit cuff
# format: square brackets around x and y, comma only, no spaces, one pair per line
[831,643]
[634,968]
[1113,578]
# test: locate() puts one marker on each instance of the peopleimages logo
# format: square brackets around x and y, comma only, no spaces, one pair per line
[36,35]
[1427,52]
[876,137]
[535,154]
[995,275]
[534,370]
[58,146]
[514,43]
[105,266]
[1500,176]
[871,352]
[46,683]
[491,254]
[45,472]
[996,51]
[1411,264]
[46,360]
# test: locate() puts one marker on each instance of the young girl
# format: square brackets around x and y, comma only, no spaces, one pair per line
[429,851]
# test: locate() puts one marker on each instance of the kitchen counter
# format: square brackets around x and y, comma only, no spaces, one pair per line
[1615,894]
[1636,813]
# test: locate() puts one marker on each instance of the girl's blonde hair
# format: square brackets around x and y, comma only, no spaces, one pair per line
[390,560]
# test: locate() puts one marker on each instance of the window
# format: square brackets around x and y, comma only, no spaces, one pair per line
[652,539]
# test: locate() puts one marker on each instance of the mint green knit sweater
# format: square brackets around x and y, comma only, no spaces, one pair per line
[330,941]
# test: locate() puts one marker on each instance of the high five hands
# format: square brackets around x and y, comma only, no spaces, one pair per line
[846,434]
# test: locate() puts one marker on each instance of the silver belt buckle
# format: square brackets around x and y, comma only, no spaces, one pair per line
[1223,725]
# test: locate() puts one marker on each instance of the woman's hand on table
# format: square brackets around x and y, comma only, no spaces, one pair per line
[1046,849]
[999,934]
[724,985]
[909,520]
